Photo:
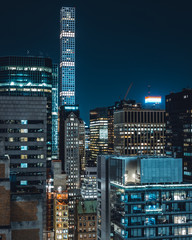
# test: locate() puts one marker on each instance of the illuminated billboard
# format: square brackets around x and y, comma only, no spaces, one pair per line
[153,99]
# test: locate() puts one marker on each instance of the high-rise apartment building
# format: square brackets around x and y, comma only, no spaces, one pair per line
[67,56]
[137,130]
[179,128]
[142,198]
[29,76]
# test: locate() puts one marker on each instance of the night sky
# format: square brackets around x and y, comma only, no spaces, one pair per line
[117,42]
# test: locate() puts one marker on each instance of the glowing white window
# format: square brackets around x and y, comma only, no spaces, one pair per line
[24,130]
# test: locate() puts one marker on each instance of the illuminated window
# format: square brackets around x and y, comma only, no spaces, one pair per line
[23,156]
[23,139]
[24,130]
[23,148]
[179,219]
[23,182]
[59,225]
[40,139]
[24,165]
[23,121]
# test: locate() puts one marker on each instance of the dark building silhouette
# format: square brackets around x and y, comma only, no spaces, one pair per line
[179,128]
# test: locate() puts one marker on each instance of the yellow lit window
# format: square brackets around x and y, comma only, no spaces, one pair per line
[24,130]
[23,139]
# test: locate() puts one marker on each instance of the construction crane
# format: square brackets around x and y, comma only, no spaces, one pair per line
[128,90]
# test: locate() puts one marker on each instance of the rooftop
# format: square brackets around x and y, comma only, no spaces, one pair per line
[87,207]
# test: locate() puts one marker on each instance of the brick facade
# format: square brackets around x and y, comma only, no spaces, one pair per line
[2,170]
[25,234]
[24,211]
[4,206]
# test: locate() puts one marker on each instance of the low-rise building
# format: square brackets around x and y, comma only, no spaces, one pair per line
[61,215]
[86,220]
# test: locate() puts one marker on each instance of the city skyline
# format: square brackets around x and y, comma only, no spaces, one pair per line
[150,44]
[102,150]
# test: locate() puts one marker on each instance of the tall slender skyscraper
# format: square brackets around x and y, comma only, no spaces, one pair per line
[67,56]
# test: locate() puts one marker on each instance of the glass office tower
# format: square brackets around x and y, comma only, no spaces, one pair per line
[98,133]
[28,76]
[67,56]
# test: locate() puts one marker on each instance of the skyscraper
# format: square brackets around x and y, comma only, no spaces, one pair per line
[137,130]
[23,125]
[69,144]
[29,76]
[178,129]
[69,154]
[67,56]
[26,119]
[98,133]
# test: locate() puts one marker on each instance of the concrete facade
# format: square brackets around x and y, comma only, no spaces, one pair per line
[23,126]
[27,216]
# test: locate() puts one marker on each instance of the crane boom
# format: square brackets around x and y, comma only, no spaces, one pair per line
[128,90]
